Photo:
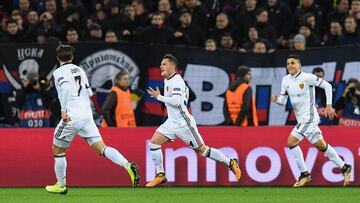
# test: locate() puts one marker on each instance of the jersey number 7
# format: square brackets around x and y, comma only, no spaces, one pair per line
[78,79]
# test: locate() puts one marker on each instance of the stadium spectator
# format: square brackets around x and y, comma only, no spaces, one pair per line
[194,32]
[199,13]
[335,36]
[117,108]
[312,39]
[99,15]
[12,34]
[115,20]
[239,105]
[263,27]
[141,13]
[280,17]
[222,25]
[164,6]
[48,25]
[24,7]
[227,43]
[51,8]
[210,45]
[246,16]
[72,36]
[15,15]
[314,26]
[31,26]
[340,12]
[349,102]
[351,34]
[260,47]
[157,32]
[299,43]
[252,38]
[308,6]
[95,33]
[355,10]
[111,37]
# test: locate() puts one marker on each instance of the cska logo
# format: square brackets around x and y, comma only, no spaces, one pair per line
[301,85]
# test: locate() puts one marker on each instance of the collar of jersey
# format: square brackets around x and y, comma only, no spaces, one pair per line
[65,64]
[172,76]
[296,75]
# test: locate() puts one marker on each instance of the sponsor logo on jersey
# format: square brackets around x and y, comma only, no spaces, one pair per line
[102,66]
[176,89]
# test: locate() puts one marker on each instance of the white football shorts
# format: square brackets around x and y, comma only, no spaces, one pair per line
[65,132]
[309,130]
[187,133]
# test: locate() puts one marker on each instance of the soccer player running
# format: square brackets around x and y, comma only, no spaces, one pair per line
[74,91]
[179,123]
[300,87]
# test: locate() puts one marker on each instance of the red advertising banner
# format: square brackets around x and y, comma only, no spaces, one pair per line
[26,158]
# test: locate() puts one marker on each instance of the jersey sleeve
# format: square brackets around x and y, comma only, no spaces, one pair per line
[176,88]
[313,80]
[64,89]
[282,99]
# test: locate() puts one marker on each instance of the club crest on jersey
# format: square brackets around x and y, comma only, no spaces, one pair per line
[301,85]
[167,88]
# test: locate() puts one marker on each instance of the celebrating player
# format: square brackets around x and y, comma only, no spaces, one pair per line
[300,87]
[179,123]
[73,90]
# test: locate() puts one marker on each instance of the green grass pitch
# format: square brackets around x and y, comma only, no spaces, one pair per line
[186,195]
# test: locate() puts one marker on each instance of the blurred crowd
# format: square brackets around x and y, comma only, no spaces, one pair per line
[260,26]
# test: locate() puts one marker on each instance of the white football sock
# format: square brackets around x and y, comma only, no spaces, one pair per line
[216,155]
[299,158]
[157,157]
[60,169]
[115,156]
[333,156]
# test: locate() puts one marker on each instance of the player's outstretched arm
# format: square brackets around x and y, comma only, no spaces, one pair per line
[281,100]
[174,100]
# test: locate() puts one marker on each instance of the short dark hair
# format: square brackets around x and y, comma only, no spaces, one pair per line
[11,21]
[119,75]
[65,52]
[293,56]
[318,69]
[172,59]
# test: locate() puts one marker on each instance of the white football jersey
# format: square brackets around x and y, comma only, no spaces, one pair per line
[178,115]
[301,90]
[78,104]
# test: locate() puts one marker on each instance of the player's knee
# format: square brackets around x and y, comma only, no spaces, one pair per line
[321,147]
[154,147]
[291,144]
